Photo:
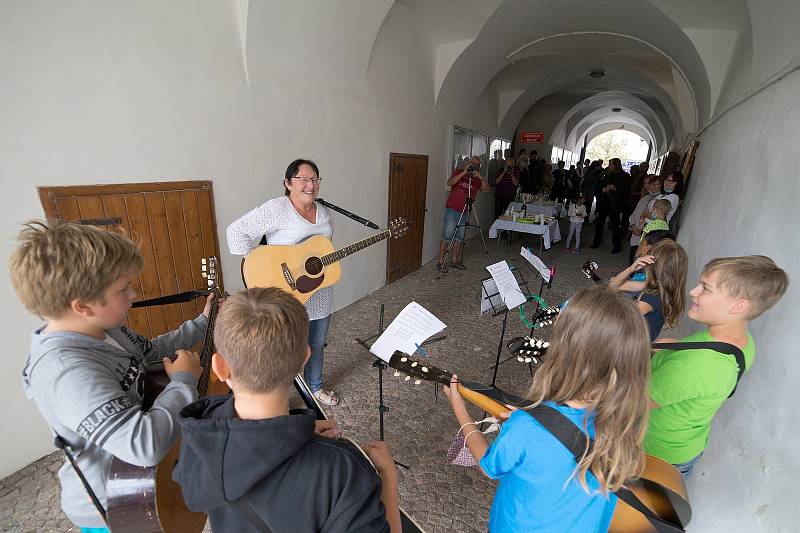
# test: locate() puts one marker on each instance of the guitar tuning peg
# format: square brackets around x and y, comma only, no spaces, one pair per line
[424,368]
[417,382]
[408,378]
[413,364]
[396,374]
[203,261]
[403,359]
[527,359]
[519,359]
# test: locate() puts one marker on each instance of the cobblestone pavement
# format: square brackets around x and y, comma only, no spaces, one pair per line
[419,426]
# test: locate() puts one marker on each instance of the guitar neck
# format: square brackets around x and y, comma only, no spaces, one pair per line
[355,247]
[208,347]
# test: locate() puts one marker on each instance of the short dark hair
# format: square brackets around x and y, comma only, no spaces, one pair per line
[678,175]
[294,166]
[656,236]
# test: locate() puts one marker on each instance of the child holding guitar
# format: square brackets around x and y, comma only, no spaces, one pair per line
[596,376]
[86,370]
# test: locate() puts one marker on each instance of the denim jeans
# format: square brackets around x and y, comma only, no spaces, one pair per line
[312,372]
[575,229]
[686,468]
[451,217]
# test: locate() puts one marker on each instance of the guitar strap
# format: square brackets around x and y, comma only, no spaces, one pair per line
[62,445]
[575,441]
[179,298]
[244,507]
[721,347]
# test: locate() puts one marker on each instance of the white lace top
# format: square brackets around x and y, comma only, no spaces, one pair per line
[282,224]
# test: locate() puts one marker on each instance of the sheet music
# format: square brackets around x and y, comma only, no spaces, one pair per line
[409,329]
[490,287]
[536,263]
[506,284]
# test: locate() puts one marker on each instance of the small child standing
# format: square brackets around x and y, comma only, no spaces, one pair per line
[576,213]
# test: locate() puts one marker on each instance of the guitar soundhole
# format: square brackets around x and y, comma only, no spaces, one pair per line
[313,266]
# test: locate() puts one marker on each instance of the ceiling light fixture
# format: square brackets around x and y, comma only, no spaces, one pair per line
[597,73]
[616,109]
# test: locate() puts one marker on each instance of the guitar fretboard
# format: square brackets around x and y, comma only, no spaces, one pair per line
[347,250]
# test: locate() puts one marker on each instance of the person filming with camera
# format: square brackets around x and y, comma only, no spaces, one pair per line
[464,186]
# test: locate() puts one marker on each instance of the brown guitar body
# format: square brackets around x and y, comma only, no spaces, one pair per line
[145,499]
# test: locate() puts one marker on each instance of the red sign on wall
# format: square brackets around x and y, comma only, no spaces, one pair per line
[532,137]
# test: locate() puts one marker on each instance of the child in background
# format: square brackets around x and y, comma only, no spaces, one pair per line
[576,213]
[595,374]
[86,369]
[687,387]
[660,297]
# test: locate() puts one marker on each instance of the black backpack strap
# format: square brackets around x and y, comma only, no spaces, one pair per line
[244,507]
[575,441]
[721,347]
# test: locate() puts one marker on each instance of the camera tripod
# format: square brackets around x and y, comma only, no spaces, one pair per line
[463,222]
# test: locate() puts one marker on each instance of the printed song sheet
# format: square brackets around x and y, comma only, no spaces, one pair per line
[506,284]
[409,329]
[536,263]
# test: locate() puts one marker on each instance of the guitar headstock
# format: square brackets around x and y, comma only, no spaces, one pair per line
[545,317]
[418,370]
[528,349]
[398,227]
[208,267]
[589,270]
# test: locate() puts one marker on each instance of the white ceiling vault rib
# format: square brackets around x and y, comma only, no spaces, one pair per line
[518,53]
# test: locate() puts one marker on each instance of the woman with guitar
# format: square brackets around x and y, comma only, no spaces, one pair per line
[595,379]
[288,220]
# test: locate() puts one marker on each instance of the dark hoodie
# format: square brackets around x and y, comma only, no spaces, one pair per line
[294,479]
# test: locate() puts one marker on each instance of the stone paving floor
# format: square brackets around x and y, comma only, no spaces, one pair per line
[419,426]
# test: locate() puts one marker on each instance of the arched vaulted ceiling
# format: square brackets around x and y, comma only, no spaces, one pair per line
[506,55]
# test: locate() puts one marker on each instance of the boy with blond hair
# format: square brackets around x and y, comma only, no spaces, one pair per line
[250,463]
[687,387]
[86,369]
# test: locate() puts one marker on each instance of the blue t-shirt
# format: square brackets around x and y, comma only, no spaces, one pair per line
[655,318]
[533,468]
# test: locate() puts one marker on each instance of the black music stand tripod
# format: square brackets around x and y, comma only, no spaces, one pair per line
[381,366]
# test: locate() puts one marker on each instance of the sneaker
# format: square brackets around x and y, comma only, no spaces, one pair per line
[573,251]
[328,398]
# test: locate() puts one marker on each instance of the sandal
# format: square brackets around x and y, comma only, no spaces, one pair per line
[460,266]
[328,398]
[441,268]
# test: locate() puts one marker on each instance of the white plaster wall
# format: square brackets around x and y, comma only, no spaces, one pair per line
[743,190]
[150,91]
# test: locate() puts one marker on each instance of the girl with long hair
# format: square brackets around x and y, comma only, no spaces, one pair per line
[661,297]
[595,374]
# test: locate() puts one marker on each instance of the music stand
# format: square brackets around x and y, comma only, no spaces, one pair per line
[381,365]
[501,309]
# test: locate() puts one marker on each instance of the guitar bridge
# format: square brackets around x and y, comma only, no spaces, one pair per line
[288,276]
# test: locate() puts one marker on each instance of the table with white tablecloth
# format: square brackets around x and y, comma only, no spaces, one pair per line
[550,210]
[550,232]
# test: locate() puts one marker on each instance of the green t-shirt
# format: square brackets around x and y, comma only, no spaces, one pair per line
[689,386]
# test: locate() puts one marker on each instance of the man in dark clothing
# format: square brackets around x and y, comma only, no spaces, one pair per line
[248,452]
[558,190]
[612,201]
[537,172]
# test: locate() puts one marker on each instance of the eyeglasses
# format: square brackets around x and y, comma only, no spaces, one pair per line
[306,181]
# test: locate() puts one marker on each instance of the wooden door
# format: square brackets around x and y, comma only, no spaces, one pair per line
[408,181]
[174,225]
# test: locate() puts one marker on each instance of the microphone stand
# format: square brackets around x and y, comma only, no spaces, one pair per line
[348,214]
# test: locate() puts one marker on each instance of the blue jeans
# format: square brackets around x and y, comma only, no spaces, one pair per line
[686,468]
[451,217]
[312,372]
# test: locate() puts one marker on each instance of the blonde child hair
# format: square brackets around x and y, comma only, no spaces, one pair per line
[600,355]
[57,262]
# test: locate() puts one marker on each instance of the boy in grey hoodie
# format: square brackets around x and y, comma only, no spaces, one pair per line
[86,370]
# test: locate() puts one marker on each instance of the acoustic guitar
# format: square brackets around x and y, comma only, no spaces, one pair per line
[303,269]
[302,388]
[660,487]
[145,499]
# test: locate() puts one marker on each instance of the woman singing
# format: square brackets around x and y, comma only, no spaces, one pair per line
[288,220]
